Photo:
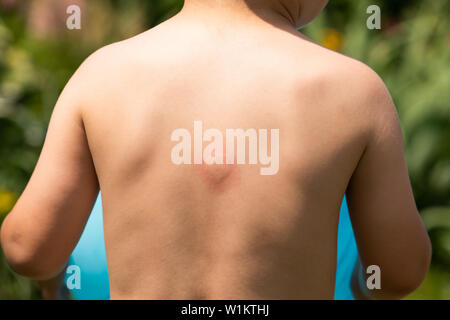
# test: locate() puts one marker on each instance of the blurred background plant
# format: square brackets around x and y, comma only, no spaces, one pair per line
[38,54]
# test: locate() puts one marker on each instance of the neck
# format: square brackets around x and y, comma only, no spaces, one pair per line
[284,14]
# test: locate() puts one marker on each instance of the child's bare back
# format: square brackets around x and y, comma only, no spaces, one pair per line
[186,215]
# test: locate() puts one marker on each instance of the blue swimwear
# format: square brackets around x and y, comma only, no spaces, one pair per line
[90,256]
[347,255]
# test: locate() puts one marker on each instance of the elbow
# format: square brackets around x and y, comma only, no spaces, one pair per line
[19,258]
[22,258]
[411,276]
[420,271]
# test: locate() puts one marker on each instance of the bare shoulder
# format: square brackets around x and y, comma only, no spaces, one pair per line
[113,65]
[350,85]
[126,54]
[108,70]
[351,77]
[104,62]
[364,91]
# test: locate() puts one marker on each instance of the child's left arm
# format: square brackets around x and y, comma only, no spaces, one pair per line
[46,223]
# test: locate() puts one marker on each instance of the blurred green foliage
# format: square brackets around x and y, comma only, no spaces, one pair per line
[410,52]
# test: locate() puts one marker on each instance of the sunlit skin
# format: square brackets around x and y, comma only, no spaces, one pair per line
[223,232]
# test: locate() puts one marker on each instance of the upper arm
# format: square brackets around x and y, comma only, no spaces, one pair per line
[387,226]
[43,228]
